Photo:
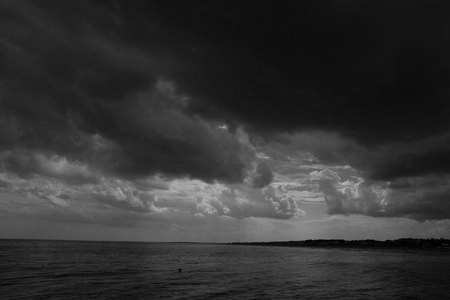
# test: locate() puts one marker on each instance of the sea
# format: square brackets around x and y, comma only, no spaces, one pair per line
[31,269]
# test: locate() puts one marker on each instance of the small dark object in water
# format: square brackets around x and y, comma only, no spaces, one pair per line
[179,270]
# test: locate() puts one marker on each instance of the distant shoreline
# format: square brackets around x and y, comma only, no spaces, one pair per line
[404,243]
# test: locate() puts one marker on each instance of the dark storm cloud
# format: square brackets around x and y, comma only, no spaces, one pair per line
[263,176]
[134,88]
[73,86]
[375,72]
[26,163]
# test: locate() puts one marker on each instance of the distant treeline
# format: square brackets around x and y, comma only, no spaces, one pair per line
[399,243]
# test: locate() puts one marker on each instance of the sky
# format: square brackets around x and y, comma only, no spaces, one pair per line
[220,121]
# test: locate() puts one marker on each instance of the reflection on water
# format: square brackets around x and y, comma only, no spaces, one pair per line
[74,270]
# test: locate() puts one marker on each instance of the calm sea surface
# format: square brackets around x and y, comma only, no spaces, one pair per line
[106,270]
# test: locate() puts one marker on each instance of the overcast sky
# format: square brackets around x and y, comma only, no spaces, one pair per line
[224,120]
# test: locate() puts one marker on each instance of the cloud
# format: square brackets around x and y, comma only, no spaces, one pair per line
[350,197]
[243,201]
[123,195]
[157,136]
[104,103]
[386,162]
[27,163]
[232,200]
[263,176]
[149,198]
[296,66]
[106,97]
[419,198]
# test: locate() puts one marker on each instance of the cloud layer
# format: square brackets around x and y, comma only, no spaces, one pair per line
[423,198]
[254,107]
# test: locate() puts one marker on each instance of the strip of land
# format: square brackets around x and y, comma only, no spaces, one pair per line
[405,243]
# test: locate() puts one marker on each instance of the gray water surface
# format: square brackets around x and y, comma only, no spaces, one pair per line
[107,270]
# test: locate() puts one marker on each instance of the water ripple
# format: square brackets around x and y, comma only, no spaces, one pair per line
[82,270]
